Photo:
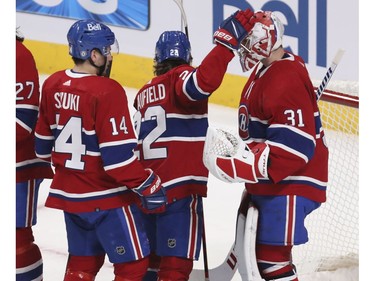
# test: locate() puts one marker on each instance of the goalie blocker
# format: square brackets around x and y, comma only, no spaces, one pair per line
[231,160]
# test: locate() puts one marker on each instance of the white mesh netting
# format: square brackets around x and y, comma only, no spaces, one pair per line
[333,228]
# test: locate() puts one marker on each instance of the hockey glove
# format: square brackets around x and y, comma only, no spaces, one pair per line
[152,194]
[229,159]
[234,29]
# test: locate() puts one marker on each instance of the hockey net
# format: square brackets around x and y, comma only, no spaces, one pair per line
[334,227]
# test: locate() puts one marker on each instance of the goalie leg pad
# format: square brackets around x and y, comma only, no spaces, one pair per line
[235,257]
[248,267]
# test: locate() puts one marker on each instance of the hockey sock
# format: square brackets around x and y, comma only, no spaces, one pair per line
[131,271]
[83,267]
[29,263]
[275,262]
[78,276]
[175,269]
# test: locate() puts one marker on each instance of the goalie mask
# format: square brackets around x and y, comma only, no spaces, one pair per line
[265,37]
[173,45]
[87,35]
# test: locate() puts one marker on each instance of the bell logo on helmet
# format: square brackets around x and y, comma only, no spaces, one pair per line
[86,35]
[91,26]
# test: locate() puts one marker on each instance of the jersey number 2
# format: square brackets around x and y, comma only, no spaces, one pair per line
[156,113]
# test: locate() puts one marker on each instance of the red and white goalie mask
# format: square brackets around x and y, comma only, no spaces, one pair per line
[265,37]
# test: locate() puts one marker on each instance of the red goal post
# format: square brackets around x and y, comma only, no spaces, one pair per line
[334,227]
[340,98]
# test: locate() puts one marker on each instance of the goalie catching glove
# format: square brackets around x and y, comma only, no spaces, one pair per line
[152,194]
[229,159]
[234,29]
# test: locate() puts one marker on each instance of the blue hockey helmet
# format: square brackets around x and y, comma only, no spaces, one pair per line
[173,45]
[86,35]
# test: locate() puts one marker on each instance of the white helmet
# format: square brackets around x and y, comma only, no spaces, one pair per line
[264,37]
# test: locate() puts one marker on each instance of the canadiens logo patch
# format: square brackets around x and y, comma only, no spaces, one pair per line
[243,122]
[171,243]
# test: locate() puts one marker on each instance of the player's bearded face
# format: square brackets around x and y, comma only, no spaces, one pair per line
[104,65]
[108,52]
[107,67]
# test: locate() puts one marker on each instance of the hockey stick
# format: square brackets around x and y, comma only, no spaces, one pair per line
[183,16]
[204,249]
[204,240]
[329,73]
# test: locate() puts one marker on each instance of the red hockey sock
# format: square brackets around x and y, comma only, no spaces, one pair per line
[175,269]
[78,276]
[131,271]
[275,262]
[29,263]
[81,268]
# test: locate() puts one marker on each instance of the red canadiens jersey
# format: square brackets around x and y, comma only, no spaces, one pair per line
[28,165]
[171,122]
[86,130]
[278,106]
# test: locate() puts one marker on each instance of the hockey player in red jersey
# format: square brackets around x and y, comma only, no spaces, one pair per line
[171,122]
[85,129]
[30,171]
[285,159]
